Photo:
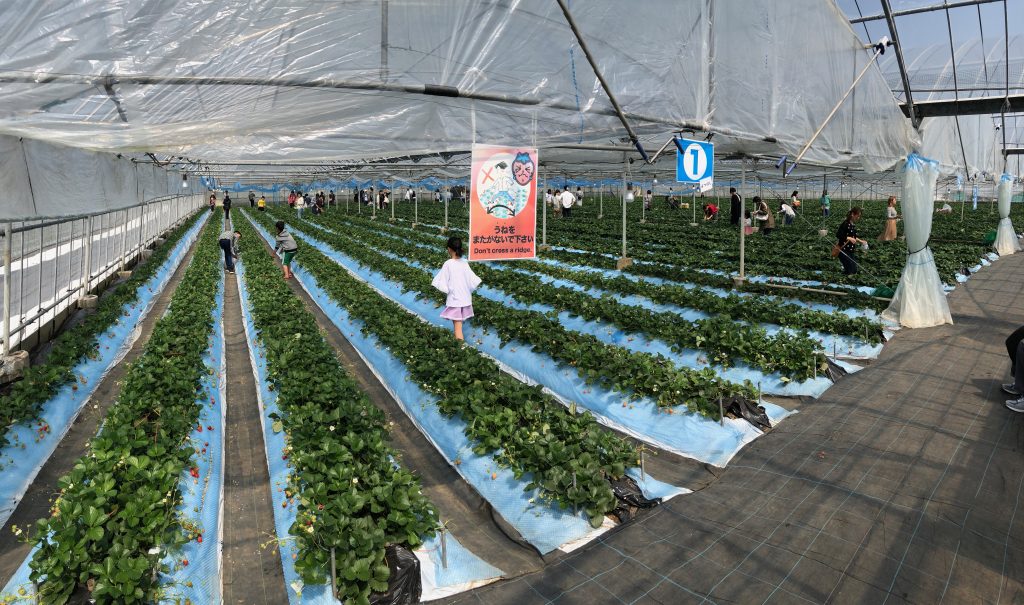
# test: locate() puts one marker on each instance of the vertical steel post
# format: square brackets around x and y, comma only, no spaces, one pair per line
[544,222]
[87,274]
[6,335]
[743,219]
[625,165]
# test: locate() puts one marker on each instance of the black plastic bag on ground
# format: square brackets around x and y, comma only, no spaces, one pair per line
[741,407]
[835,371]
[630,498]
[404,587]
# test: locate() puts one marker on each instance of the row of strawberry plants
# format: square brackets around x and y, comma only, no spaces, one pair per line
[672,272]
[116,508]
[726,342]
[41,382]
[794,251]
[746,308]
[614,368]
[351,497]
[566,456]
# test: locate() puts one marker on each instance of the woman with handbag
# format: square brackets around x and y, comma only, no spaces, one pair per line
[891,216]
[847,240]
[764,215]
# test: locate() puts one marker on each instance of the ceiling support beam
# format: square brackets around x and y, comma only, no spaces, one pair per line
[966,107]
[915,120]
[923,9]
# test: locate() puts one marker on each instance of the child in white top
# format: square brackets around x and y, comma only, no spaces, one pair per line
[457,280]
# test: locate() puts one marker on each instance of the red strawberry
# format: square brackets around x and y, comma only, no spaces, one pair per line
[184,562]
[199,428]
[209,427]
[194,471]
[200,538]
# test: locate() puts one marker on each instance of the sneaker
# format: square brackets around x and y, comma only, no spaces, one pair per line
[1011,389]
[232,272]
[1016,405]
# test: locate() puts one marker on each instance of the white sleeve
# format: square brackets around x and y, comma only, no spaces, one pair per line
[441,279]
[472,278]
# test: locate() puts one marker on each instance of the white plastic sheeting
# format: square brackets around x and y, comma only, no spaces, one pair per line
[370,78]
[43,180]
[919,301]
[980,153]
[1006,237]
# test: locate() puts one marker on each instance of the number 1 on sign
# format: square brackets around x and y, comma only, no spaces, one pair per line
[696,162]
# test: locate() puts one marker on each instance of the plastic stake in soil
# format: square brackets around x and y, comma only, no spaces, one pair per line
[721,412]
[334,576]
[444,547]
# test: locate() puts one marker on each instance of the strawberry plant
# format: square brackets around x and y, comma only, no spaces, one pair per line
[117,506]
[615,368]
[793,355]
[566,456]
[42,381]
[351,497]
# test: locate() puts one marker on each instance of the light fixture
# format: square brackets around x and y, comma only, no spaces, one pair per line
[184,181]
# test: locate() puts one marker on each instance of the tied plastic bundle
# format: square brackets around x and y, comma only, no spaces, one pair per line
[1006,238]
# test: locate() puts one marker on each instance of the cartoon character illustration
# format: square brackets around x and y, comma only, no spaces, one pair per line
[523,168]
[503,184]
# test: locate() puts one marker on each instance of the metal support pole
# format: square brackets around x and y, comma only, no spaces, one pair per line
[373,211]
[124,238]
[890,20]
[544,224]
[6,335]
[416,210]
[624,194]
[835,109]
[597,72]
[743,221]
[600,211]
[693,206]
[87,274]
[445,195]
[394,202]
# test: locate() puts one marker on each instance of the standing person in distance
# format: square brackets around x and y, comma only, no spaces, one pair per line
[567,199]
[735,206]
[227,206]
[457,280]
[213,201]
[794,200]
[252,199]
[579,196]
[648,198]
[229,244]
[847,240]
[764,215]
[826,204]
[285,244]
[300,203]
[891,216]
[437,196]
[261,205]
[331,199]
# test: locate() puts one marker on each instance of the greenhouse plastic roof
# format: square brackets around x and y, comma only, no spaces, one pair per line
[324,80]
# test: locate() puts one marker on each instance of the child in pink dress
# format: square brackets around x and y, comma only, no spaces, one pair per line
[457,280]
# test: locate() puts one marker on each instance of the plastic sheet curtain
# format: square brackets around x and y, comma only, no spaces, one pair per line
[260,79]
[43,180]
[1006,238]
[919,301]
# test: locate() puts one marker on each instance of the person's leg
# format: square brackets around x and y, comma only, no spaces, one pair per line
[458,329]
[1011,347]
[225,245]
[1018,368]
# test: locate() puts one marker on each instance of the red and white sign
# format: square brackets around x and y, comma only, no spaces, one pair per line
[503,203]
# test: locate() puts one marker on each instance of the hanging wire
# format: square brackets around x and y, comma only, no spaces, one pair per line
[1006,65]
[984,53]
[956,91]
